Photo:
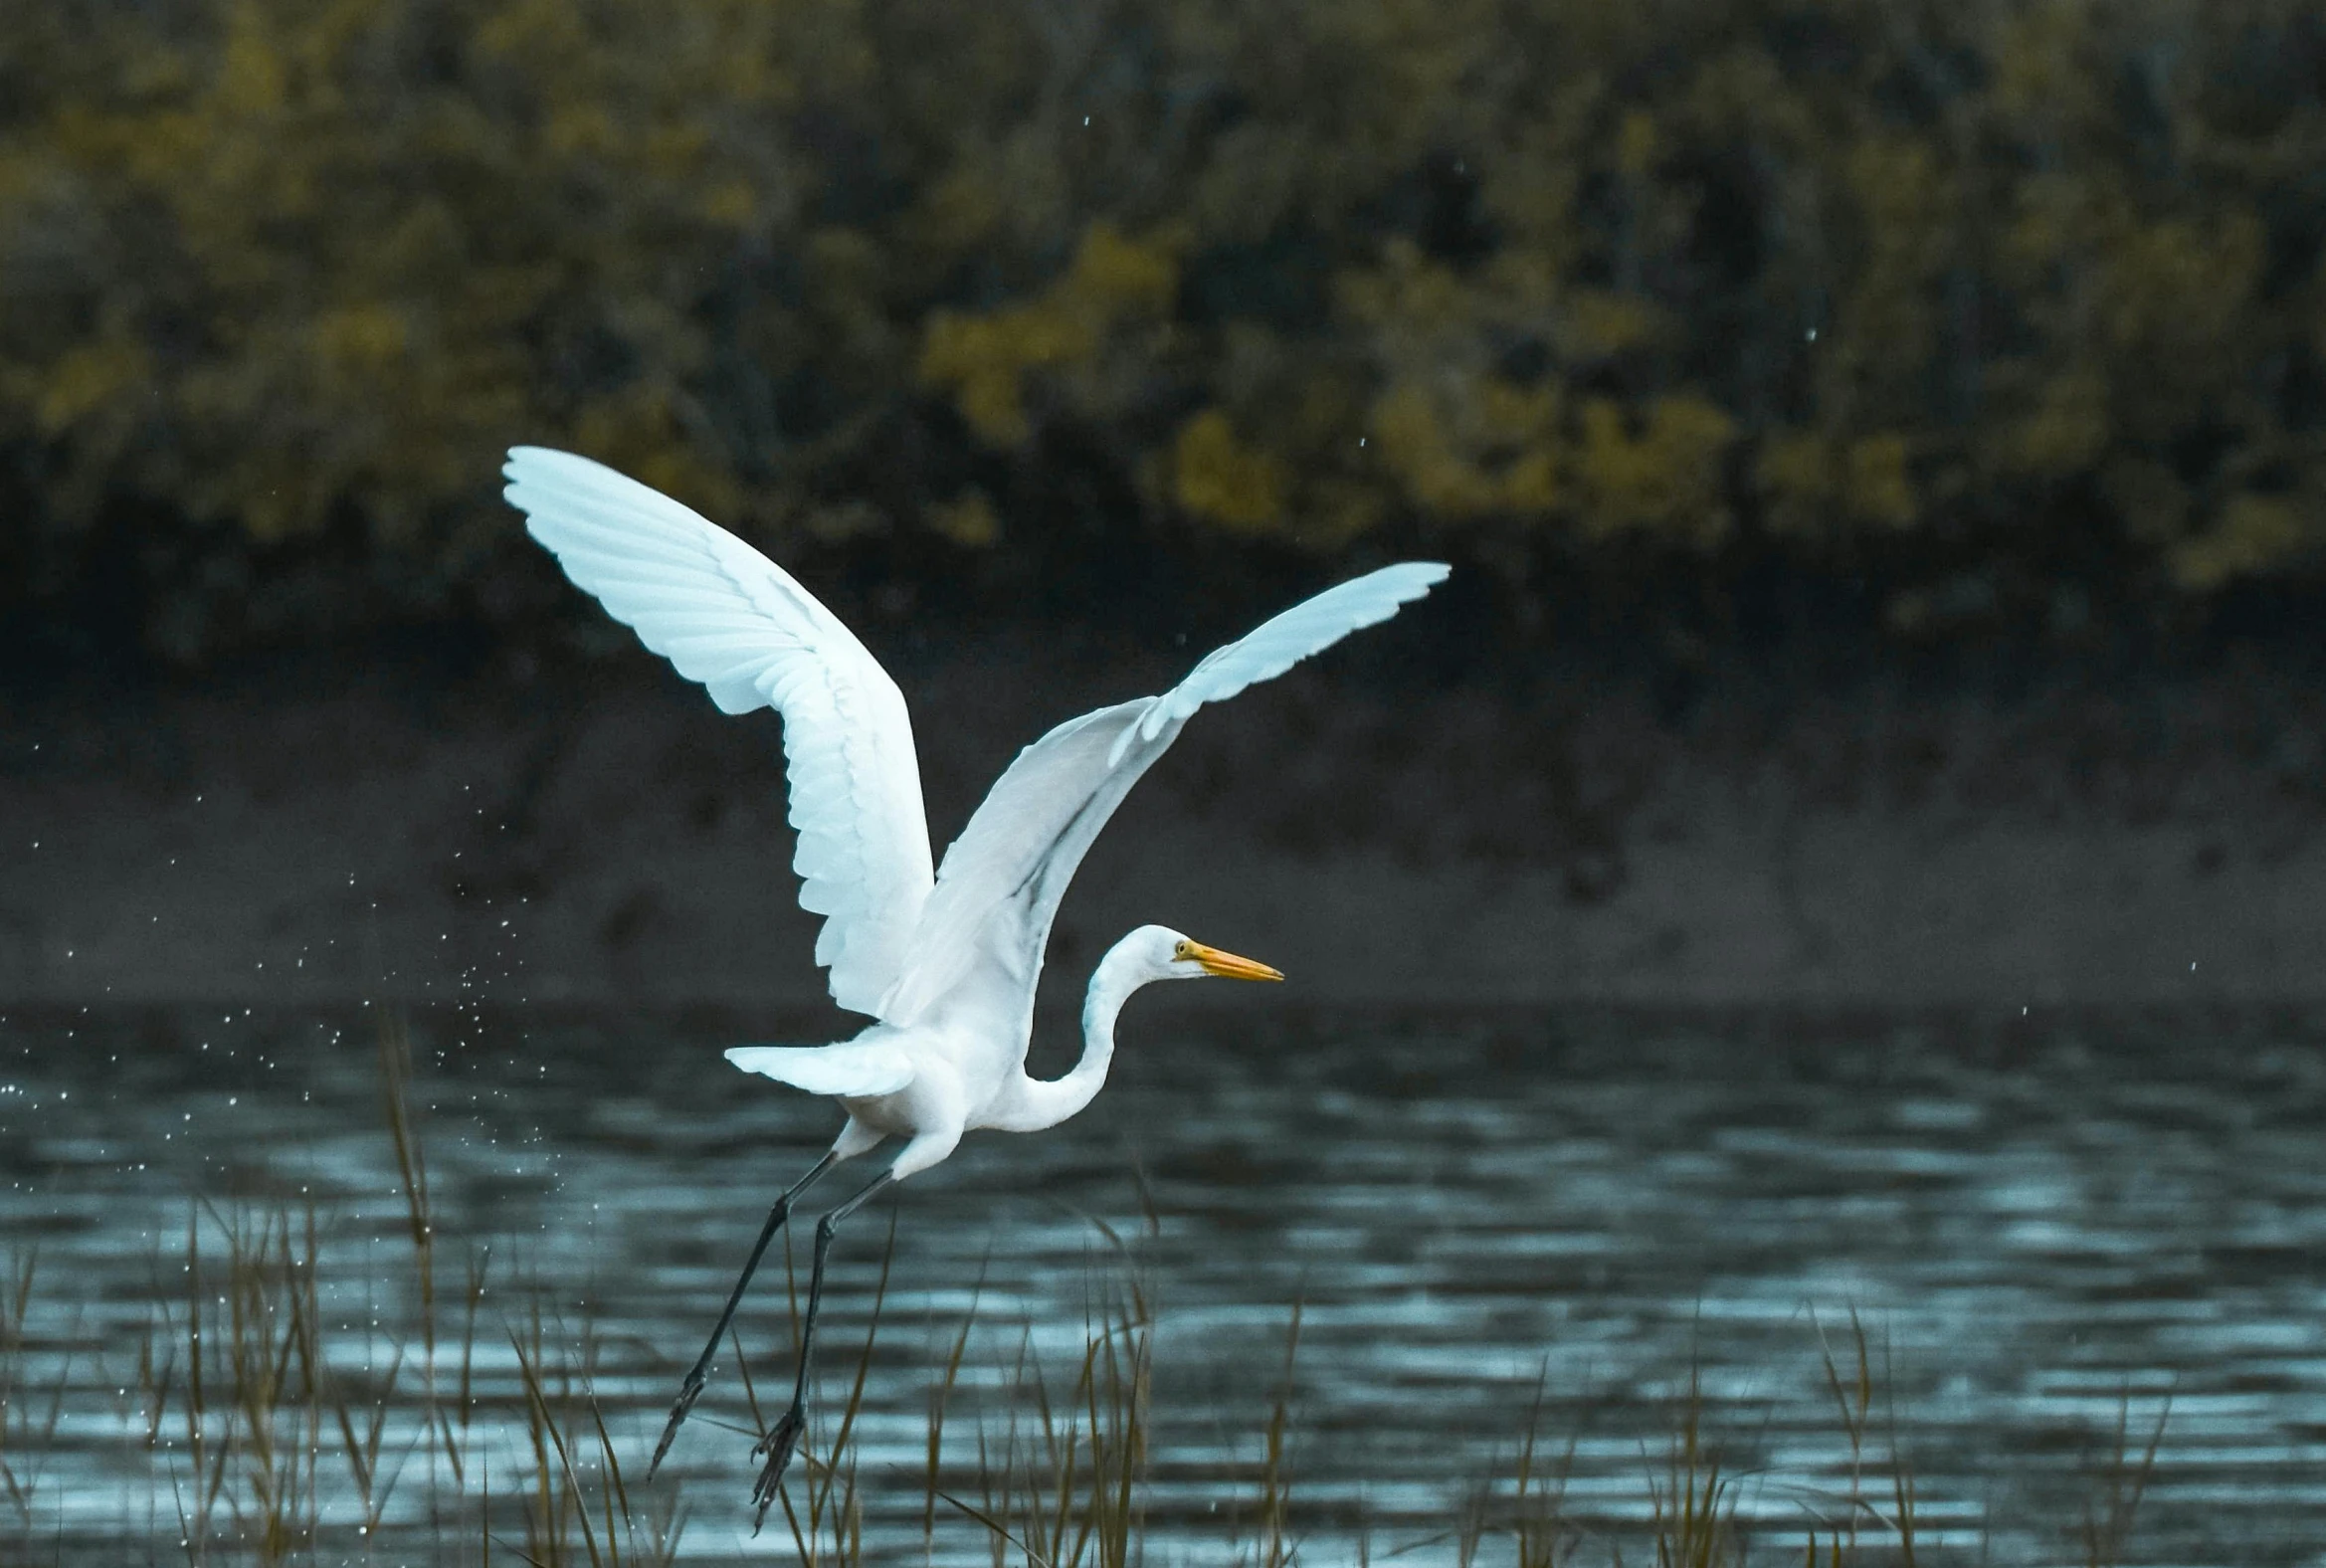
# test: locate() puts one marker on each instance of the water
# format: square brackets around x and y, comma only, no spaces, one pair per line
[2048,1231]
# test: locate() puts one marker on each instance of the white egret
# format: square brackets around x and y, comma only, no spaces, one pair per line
[946,962]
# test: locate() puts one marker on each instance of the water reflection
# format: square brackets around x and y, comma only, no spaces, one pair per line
[2048,1233]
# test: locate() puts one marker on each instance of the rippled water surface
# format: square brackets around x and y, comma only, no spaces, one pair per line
[2055,1235]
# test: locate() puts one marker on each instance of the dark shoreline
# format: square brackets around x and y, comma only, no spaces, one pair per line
[1388,844]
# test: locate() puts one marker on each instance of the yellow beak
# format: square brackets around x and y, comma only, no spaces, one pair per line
[1230,967]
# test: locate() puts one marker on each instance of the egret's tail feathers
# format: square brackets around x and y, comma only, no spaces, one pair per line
[853,1070]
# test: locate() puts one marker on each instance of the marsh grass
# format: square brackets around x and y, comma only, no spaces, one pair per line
[1693,1524]
[575,1490]
[2113,1502]
[1850,1379]
[27,1415]
[1060,1452]
[287,1413]
[289,1420]
[1532,1517]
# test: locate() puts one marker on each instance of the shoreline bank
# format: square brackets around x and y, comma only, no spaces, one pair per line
[623,843]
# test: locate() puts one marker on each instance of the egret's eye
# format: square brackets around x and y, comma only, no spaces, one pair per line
[1183,950]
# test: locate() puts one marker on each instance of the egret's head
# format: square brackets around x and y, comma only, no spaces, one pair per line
[1170,955]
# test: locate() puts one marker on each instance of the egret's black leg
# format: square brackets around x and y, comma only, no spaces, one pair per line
[691,1388]
[777,1445]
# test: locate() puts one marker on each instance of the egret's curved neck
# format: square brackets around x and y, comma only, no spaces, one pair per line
[1045,1103]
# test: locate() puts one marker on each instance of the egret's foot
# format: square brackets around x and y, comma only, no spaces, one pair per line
[776,1448]
[688,1392]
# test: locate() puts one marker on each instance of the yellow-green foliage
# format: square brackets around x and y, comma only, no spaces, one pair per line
[1849,279]
[1219,478]
[1093,314]
[285,264]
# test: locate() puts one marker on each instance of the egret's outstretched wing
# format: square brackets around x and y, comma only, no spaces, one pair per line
[982,935]
[852,1070]
[725,615]
[1283,640]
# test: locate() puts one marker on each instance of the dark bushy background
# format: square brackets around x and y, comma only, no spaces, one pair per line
[1865,326]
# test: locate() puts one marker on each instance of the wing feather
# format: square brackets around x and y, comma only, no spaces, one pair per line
[1283,640]
[852,1069]
[988,922]
[726,616]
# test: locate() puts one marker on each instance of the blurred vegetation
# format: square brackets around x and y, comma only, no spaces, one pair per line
[1992,312]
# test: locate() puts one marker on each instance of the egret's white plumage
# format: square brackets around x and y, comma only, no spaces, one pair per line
[948,964]
[858,1067]
[725,615]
